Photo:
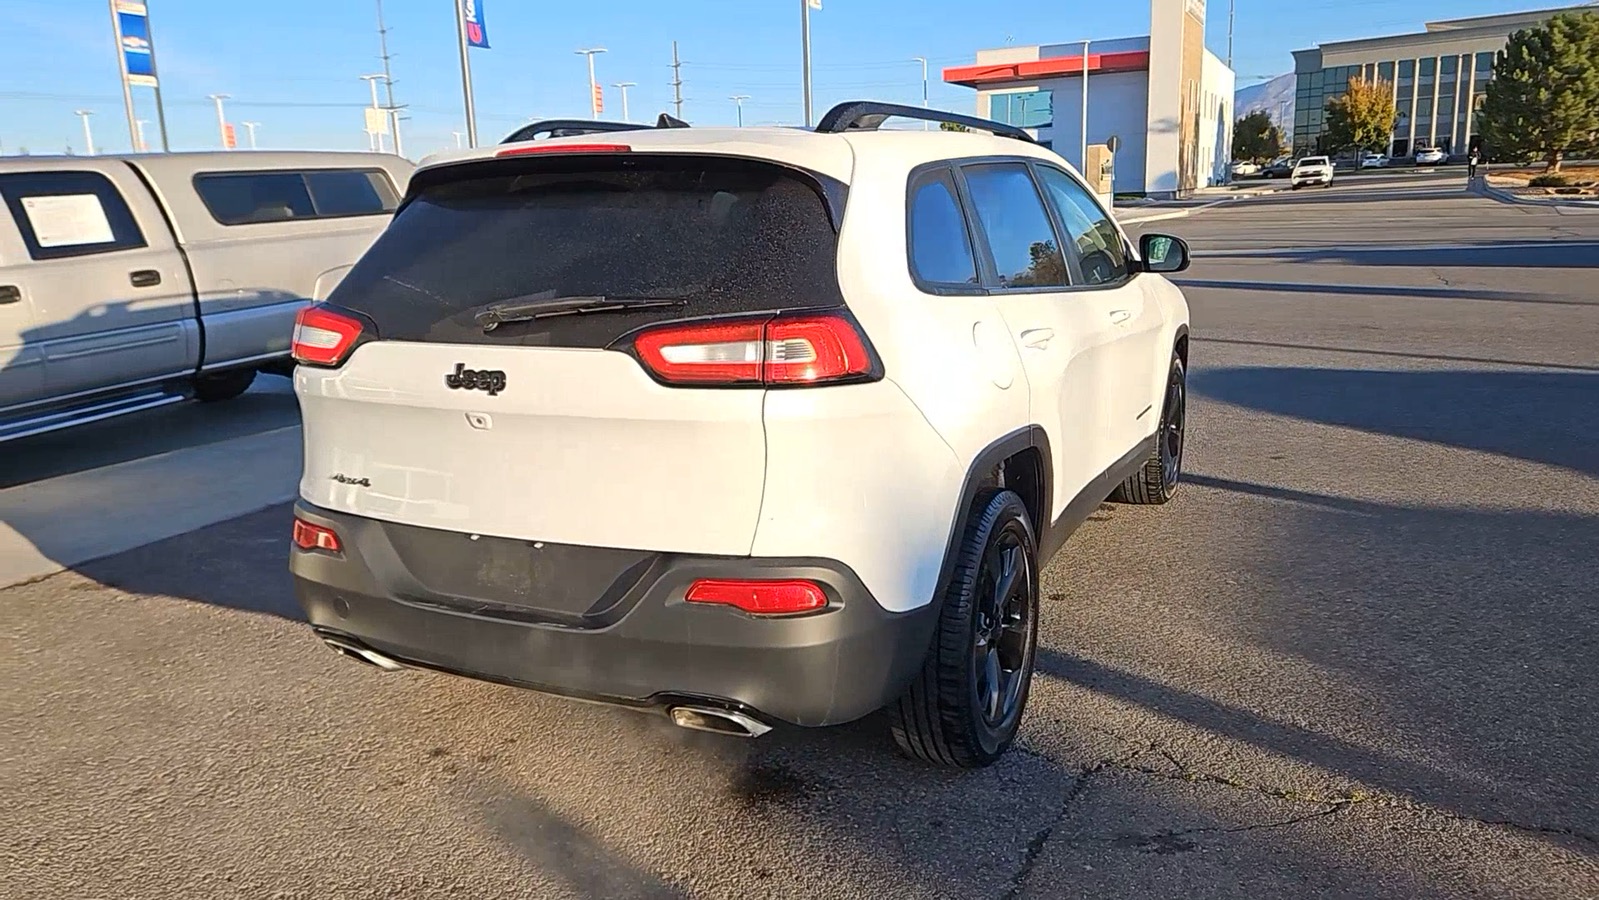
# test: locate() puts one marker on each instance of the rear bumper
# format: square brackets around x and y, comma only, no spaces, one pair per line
[651,649]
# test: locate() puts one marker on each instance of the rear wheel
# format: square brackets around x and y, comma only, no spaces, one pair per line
[965,706]
[218,386]
[1156,480]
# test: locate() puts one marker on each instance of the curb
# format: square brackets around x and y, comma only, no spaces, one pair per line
[1481,186]
[1189,210]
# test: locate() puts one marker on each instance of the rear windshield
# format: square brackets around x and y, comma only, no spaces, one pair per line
[719,235]
[1313,161]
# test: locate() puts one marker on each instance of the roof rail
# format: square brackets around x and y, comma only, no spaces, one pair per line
[867,115]
[556,128]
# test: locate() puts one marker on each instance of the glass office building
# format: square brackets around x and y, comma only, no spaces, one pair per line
[1438,78]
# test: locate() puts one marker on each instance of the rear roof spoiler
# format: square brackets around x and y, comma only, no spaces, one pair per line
[558,128]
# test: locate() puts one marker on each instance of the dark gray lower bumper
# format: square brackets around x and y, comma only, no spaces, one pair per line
[651,648]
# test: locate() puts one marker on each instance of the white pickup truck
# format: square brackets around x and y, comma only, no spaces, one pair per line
[136,281]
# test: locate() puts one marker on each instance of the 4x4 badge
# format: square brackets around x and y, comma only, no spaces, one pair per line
[490,380]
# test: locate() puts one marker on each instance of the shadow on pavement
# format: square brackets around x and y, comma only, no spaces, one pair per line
[1397,354]
[1542,417]
[1561,254]
[1376,290]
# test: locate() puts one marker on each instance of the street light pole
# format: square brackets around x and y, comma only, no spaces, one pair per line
[374,138]
[623,86]
[594,95]
[251,127]
[88,136]
[222,120]
[923,61]
[1083,170]
[738,100]
[138,133]
[457,135]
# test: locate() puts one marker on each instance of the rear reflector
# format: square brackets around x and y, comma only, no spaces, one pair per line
[315,537]
[763,598]
[787,350]
[530,149]
[323,337]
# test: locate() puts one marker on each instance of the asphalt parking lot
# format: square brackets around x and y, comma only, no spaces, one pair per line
[1355,656]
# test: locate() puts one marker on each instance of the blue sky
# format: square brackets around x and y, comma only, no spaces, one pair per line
[294,65]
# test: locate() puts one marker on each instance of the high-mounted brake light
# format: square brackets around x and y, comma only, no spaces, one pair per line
[323,337]
[530,149]
[315,537]
[761,598]
[787,350]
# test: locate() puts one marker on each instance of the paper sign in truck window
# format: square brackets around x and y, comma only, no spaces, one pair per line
[68,220]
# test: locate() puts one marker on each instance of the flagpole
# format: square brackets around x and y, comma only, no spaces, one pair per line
[805,41]
[466,76]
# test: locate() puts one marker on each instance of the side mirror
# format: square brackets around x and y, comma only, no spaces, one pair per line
[1163,253]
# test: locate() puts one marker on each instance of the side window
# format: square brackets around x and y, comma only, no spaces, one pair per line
[1093,237]
[1020,236]
[940,249]
[66,214]
[244,198]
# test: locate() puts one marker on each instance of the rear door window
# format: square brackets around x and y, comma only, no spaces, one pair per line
[1020,236]
[246,198]
[66,214]
[716,235]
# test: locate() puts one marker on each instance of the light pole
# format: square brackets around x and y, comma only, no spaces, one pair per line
[138,133]
[738,100]
[594,88]
[88,136]
[251,127]
[923,61]
[623,86]
[1083,165]
[457,135]
[222,120]
[805,53]
[374,138]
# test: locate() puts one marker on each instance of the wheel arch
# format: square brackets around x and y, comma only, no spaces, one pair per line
[1020,461]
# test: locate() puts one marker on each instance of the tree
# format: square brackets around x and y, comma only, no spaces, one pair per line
[952,126]
[1543,100]
[1256,138]
[1363,118]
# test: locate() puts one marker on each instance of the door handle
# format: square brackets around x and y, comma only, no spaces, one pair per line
[1037,338]
[1118,316]
[144,278]
[10,293]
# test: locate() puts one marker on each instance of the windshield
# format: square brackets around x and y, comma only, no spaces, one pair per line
[721,235]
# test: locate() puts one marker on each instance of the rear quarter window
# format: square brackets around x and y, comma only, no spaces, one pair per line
[246,198]
[721,235]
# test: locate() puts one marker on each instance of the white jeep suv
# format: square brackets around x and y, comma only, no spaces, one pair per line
[745,426]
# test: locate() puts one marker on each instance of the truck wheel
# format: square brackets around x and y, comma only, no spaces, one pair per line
[214,387]
[1156,480]
[964,707]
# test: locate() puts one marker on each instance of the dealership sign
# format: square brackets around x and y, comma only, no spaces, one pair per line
[472,14]
[133,37]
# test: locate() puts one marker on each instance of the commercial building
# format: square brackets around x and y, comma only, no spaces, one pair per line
[1166,98]
[1438,77]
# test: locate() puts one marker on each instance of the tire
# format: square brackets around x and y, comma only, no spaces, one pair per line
[214,388]
[1156,481]
[950,716]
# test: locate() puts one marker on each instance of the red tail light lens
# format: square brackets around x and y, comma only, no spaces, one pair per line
[530,149]
[788,350]
[323,337]
[762,598]
[315,537]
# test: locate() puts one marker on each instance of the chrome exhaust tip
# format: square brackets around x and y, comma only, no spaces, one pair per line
[718,721]
[361,654]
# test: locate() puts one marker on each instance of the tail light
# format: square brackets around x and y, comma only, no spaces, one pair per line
[762,598]
[315,537]
[323,337]
[787,350]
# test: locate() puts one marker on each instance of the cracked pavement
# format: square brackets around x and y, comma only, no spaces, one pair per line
[1354,658]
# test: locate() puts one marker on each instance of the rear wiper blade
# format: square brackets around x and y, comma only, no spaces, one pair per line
[547,307]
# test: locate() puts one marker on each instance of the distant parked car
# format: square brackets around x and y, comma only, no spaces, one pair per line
[1244,168]
[1279,168]
[1370,160]
[1312,170]
[1430,156]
